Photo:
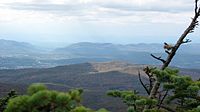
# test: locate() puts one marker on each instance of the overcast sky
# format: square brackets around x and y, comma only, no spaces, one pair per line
[60,22]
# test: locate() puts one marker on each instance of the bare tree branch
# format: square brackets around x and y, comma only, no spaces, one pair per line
[167,52]
[158,58]
[147,70]
[194,23]
[144,86]
[166,93]
[196,6]
[187,41]
[191,27]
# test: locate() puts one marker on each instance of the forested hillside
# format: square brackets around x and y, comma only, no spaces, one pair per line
[94,78]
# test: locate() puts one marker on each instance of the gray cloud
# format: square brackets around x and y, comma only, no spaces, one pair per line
[44,7]
[152,7]
[58,9]
[160,6]
[110,10]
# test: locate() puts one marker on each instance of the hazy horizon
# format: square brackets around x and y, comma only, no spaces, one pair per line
[64,44]
[55,23]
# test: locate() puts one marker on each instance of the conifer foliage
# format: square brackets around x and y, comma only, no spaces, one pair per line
[132,99]
[183,94]
[40,99]
[182,91]
[4,100]
[173,92]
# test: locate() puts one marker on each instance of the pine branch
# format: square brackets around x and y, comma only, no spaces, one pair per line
[144,86]
[167,108]
[147,71]
[158,58]
[166,93]
[194,23]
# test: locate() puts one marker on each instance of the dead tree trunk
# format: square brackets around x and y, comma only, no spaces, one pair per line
[172,51]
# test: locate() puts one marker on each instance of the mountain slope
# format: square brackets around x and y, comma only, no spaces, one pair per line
[87,47]
[134,53]
[15,55]
[10,47]
[94,78]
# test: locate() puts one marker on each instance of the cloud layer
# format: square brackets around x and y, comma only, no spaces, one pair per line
[117,11]
[118,21]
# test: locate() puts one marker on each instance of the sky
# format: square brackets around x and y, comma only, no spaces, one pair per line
[62,22]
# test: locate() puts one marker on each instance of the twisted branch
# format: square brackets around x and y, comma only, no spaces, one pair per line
[158,58]
[144,86]
[194,23]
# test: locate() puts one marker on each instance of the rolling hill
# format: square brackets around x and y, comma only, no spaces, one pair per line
[187,56]
[10,47]
[94,78]
[15,55]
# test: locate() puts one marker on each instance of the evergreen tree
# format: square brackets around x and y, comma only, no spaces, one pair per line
[172,91]
[40,99]
[4,100]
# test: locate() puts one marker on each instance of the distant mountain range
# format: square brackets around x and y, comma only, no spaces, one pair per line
[9,47]
[95,78]
[106,48]
[24,55]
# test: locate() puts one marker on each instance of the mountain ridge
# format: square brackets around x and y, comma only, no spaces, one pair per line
[29,57]
[95,78]
[140,47]
[9,47]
